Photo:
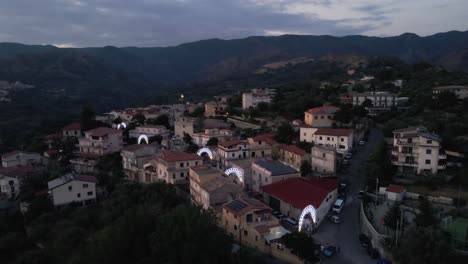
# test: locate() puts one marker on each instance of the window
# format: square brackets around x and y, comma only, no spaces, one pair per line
[342,139]
[90,193]
[428,161]
[246,233]
[304,134]
[429,141]
[78,195]
[315,117]
[85,185]
[182,175]
[235,227]
[320,138]
[173,175]
[410,140]
[256,238]
[266,179]
[323,155]
[181,164]
[187,164]
[70,188]
[328,138]
[233,154]
[249,218]
[428,151]
[321,117]
[329,117]
[196,162]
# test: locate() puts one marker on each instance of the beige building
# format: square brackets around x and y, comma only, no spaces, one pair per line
[209,188]
[215,108]
[73,188]
[261,146]
[149,131]
[251,223]
[323,160]
[306,133]
[339,138]
[201,139]
[232,150]
[292,156]
[415,150]
[257,96]
[270,171]
[184,125]
[21,158]
[460,91]
[134,157]
[173,167]
[320,116]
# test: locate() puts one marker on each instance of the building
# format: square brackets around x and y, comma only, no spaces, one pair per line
[306,133]
[21,158]
[149,131]
[215,108]
[173,167]
[251,223]
[292,156]
[9,186]
[257,96]
[201,139]
[210,189]
[460,91]
[270,171]
[134,157]
[232,150]
[73,188]
[381,101]
[96,143]
[291,196]
[261,146]
[395,192]
[72,130]
[320,116]
[245,167]
[415,150]
[184,125]
[339,138]
[323,160]
[346,98]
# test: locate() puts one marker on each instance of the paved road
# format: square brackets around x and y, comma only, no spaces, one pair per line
[346,234]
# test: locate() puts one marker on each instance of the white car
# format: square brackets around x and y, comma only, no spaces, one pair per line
[338,206]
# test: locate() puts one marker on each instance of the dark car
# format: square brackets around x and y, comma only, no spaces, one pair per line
[329,251]
[365,241]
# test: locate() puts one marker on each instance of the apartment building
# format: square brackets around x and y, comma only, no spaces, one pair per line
[201,139]
[215,108]
[415,150]
[306,133]
[210,189]
[149,131]
[134,157]
[292,156]
[460,91]
[173,167]
[96,143]
[257,96]
[323,160]
[73,188]
[21,158]
[251,223]
[382,99]
[339,138]
[291,196]
[270,171]
[320,116]
[261,146]
[232,150]
[184,125]
[72,130]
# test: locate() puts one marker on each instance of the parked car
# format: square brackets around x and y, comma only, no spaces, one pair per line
[365,241]
[334,218]
[362,143]
[338,206]
[342,196]
[329,251]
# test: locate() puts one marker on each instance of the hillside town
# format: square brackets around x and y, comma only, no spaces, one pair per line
[333,175]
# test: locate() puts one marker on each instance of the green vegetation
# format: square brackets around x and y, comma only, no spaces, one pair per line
[303,245]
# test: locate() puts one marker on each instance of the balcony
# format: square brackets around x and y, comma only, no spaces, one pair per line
[402,163]
[400,142]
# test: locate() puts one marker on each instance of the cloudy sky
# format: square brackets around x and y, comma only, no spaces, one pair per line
[82,23]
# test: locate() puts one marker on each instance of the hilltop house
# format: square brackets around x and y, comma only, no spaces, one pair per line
[22,158]
[72,130]
[73,188]
[292,156]
[173,167]
[257,96]
[269,171]
[133,159]
[320,116]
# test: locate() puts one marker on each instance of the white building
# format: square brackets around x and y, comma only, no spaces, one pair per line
[323,160]
[133,159]
[306,133]
[184,125]
[9,186]
[339,138]
[201,139]
[21,158]
[257,96]
[149,131]
[73,188]
[265,172]
[415,150]
[460,91]
[232,150]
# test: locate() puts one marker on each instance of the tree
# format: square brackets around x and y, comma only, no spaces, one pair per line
[367,103]
[445,99]
[360,111]
[303,245]
[262,107]
[157,138]
[191,148]
[344,115]
[392,216]
[285,134]
[187,138]
[425,217]
[306,168]
[161,120]
[87,118]
[212,142]
[139,119]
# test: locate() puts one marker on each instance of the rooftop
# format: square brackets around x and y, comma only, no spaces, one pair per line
[171,156]
[395,188]
[241,206]
[72,126]
[230,143]
[103,131]
[275,167]
[16,152]
[69,178]
[293,149]
[323,110]
[301,192]
[339,132]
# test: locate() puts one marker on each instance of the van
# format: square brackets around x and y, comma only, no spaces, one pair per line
[338,206]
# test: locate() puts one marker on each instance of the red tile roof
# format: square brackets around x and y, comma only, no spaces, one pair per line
[301,192]
[267,137]
[230,143]
[323,110]
[293,149]
[85,178]
[72,126]
[171,156]
[339,132]
[395,188]
[103,131]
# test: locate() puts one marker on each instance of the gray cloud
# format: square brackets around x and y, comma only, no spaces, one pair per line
[170,22]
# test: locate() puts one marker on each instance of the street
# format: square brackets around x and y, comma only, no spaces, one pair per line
[345,235]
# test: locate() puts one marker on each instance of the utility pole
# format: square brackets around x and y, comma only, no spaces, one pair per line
[396,234]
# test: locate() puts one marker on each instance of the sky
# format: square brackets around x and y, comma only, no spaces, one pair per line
[150,23]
